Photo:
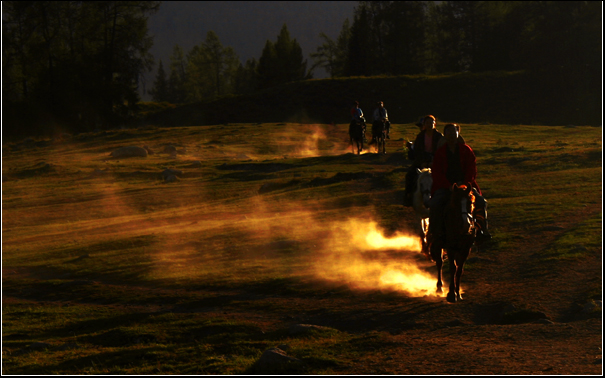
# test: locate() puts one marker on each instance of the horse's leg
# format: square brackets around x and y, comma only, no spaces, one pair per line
[453,291]
[423,235]
[459,270]
[435,250]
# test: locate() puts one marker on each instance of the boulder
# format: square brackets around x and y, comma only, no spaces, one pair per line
[130,151]
[171,150]
[171,175]
[273,360]
[592,307]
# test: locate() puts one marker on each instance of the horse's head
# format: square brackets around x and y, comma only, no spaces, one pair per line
[425,182]
[462,202]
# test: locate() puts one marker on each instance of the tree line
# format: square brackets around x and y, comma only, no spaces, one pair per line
[79,63]
[558,40]
[425,37]
[211,70]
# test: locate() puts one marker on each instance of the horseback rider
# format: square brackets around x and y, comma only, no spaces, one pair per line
[357,117]
[380,116]
[454,162]
[425,146]
[410,145]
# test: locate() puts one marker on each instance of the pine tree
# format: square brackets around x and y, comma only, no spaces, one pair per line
[159,92]
[211,69]
[176,82]
[282,61]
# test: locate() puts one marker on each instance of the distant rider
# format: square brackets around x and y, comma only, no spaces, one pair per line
[357,117]
[380,116]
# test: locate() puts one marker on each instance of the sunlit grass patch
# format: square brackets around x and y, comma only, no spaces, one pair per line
[583,239]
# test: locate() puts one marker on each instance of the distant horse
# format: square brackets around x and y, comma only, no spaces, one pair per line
[459,238]
[421,198]
[356,135]
[379,135]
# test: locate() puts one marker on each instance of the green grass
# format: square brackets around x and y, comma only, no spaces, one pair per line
[584,238]
[197,276]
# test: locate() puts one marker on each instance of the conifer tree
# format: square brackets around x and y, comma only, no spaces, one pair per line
[178,70]
[159,92]
[282,61]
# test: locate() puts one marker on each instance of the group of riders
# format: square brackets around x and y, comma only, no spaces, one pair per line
[450,159]
[381,119]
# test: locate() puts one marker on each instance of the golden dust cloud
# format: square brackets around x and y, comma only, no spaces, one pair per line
[360,255]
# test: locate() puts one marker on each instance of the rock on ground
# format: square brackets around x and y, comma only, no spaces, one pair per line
[274,359]
[171,175]
[171,150]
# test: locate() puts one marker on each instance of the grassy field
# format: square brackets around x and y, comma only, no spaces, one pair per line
[107,268]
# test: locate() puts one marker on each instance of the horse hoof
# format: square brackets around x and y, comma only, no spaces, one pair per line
[439,290]
[451,297]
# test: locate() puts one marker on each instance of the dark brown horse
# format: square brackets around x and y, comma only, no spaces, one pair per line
[379,134]
[459,238]
[356,135]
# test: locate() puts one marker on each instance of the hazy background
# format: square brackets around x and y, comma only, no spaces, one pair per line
[244,25]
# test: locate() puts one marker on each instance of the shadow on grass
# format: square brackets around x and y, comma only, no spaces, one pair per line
[117,362]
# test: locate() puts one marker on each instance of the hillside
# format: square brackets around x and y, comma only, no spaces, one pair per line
[492,97]
[223,243]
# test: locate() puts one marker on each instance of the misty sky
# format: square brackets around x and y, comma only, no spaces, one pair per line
[244,25]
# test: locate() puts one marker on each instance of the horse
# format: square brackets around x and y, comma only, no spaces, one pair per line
[460,231]
[379,135]
[356,135]
[421,198]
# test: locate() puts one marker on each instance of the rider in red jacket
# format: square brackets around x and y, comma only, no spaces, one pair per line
[468,167]
[454,162]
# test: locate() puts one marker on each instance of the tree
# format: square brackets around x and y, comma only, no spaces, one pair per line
[332,55]
[79,62]
[444,39]
[282,61]
[361,51]
[246,78]
[160,92]
[325,55]
[404,41]
[211,68]
[268,66]
[178,76]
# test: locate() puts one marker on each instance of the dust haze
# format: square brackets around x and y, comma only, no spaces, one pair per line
[205,230]
[267,240]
